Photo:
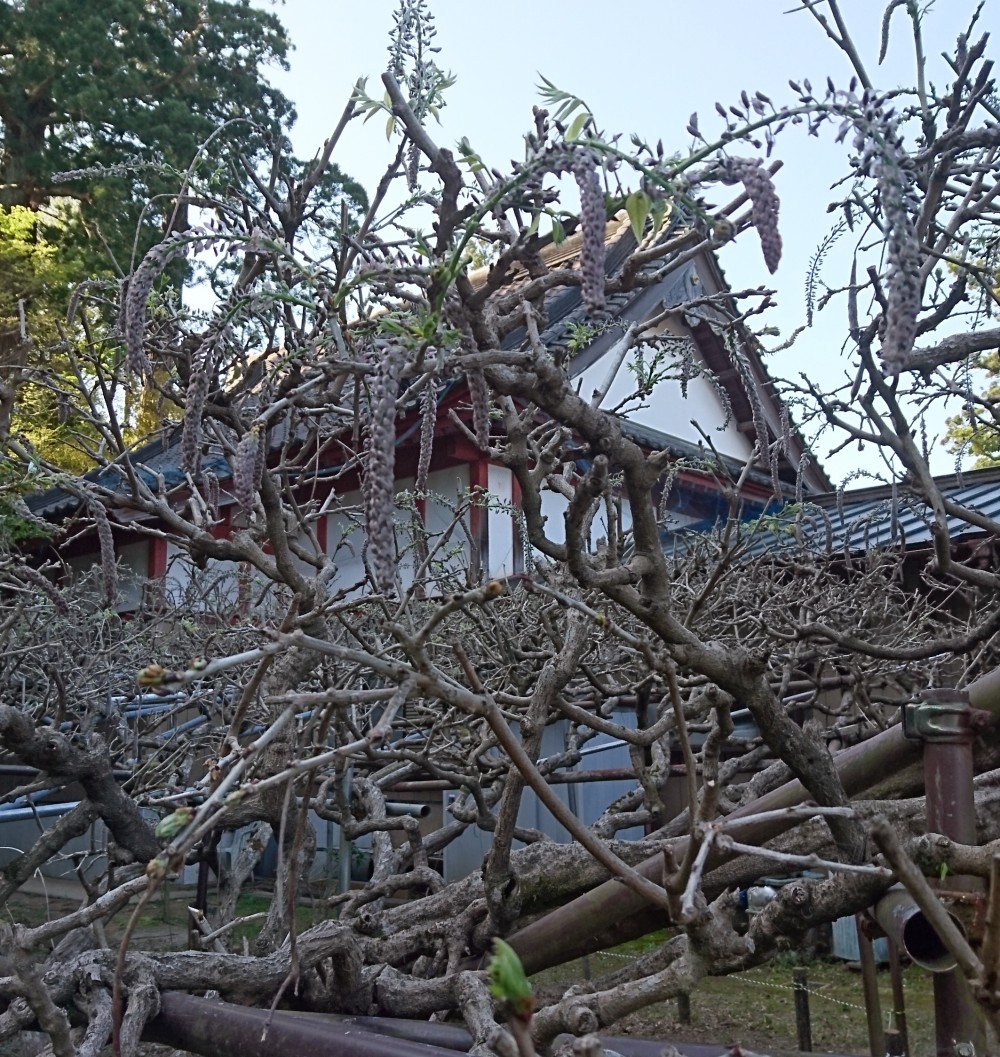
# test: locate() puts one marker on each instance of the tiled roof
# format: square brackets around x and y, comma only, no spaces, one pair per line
[157,461]
[884,516]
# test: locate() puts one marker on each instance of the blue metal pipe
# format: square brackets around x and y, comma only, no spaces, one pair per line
[26,814]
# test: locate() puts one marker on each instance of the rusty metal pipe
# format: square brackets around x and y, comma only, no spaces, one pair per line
[904,923]
[984,692]
[221,1029]
[610,914]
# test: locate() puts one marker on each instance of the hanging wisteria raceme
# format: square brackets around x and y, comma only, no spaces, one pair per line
[136,294]
[593,220]
[245,467]
[428,417]
[380,471]
[261,460]
[106,541]
[197,394]
[881,154]
[764,203]
[480,394]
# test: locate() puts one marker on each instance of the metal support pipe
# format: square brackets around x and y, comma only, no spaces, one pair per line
[803,1025]
[904,923]
[898,1001]
[942,721]
[869,984]
[221,1029]
[25,814]
[605,774]
[395,807]
[984,693]
[344,853]
[610,913]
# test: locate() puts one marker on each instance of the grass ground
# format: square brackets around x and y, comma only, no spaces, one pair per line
[757,1008]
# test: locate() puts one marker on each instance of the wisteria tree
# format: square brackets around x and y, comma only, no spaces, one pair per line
[321,694]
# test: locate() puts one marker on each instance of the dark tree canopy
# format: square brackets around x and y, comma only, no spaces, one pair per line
[116,118]
[129,92]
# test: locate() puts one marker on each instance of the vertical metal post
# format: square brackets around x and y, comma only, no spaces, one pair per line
[803,1025]
[869,983]
[346,848]
[942,723]
[683,1008]
[898,999]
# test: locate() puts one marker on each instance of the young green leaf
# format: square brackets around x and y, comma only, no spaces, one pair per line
[576,127]
[637,205]
[172,825]
[508,984]
[659,211]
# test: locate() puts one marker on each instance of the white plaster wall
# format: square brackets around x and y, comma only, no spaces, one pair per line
[586,800]
[554,506]
[132,560]
[447,539]
[346,536]
[554,515]
[500,523]
[133,565]
[667,409]
[345,539]
[216,587]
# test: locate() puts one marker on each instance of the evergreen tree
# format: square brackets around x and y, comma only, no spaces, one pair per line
[116,116]
[134,88]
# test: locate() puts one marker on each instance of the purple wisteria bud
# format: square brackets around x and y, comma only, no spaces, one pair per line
[245,468]
[212,493]
[480,394]
[136,295]
[380,475]
[412,167]
[428,418]
[197,394]
[593,220]
[109,568]
[764,203]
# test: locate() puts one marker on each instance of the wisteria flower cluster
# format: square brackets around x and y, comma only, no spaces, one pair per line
[245,468]
[593,218]
[763,201]
[881,155]
[140,286]
[381,468]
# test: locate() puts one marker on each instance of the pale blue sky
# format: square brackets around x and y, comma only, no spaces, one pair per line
[640,67]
